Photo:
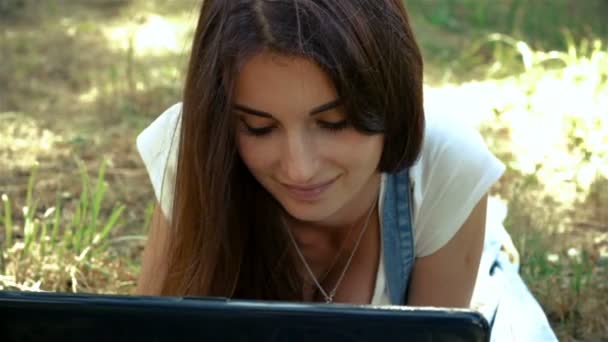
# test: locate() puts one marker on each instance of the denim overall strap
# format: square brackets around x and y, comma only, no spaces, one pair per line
[397,235]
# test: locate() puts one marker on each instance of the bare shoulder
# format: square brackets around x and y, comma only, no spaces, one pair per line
[447,277]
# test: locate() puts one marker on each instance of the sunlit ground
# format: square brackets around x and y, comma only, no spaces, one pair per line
[556,118]
[80,93]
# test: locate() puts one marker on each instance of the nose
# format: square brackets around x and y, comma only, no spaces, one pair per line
[299,162]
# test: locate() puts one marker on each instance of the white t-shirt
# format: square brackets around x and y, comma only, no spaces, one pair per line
[454,171]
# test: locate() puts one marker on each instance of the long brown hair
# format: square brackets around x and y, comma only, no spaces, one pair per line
[227,236]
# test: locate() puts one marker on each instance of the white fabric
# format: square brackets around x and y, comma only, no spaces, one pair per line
[380,296]
[157,146]
[454,171]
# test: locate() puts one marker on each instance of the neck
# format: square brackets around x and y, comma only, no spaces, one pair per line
[320,241]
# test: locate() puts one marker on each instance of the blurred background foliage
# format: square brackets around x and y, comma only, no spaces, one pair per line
[79,79]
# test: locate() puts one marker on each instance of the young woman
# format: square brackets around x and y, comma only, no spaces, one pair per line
[301,166]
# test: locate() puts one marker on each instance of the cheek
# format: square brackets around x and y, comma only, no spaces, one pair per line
[361,151]
[257,154]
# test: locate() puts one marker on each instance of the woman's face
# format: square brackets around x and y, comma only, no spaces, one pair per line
[293,136]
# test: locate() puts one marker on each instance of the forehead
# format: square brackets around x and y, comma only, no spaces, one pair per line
[283,84]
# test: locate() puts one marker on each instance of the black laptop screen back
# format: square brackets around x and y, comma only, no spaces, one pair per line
[54,317]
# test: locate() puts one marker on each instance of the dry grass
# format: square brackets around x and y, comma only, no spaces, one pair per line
[64,249]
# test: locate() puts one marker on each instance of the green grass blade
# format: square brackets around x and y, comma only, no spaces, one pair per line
[80,232]
[31,230]
[56,223]
[76,228]
[30,185]
[148,215]
[42,240]
[8,222]
[31,206]
[111,223]
[68,233]
[84,228]
[31,210]
[98,194]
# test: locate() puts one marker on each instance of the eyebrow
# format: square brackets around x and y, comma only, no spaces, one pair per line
[317,110]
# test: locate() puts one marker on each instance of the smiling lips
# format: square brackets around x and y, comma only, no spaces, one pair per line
[308,193]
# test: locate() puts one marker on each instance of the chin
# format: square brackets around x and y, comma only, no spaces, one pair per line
[313,212]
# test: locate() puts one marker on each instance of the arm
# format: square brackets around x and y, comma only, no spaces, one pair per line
[447,277]
[154,263]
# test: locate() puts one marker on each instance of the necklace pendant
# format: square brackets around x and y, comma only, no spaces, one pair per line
[329,300]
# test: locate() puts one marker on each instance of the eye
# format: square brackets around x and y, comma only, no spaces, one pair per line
[256,131]
[334,126]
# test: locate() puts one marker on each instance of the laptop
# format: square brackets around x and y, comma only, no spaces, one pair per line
[27,316]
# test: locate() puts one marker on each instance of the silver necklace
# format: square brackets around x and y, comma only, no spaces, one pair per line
[329,297]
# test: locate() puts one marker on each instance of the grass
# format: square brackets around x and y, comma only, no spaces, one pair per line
[55,249]
[77,84]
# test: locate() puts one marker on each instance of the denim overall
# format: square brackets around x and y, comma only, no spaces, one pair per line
[508,305]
